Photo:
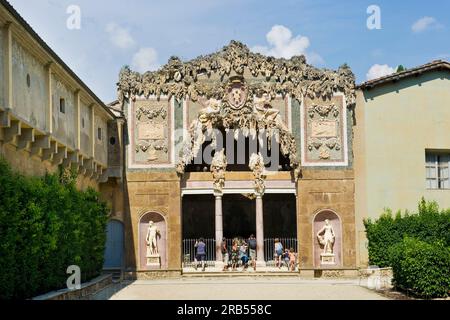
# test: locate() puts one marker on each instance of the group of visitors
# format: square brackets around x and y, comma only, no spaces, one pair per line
[243,253]
[285,256]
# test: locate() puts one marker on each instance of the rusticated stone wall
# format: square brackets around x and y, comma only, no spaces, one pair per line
[326,190]
[152,192]
[26,164]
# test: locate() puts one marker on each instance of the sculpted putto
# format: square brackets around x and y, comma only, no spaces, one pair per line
[256,164]
[210,110]
[218,167]
[263,109]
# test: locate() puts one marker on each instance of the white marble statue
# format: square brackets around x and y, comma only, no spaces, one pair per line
[326,237]
[151,239]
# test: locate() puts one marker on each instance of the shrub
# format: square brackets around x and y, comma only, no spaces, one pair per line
[421,268]
[46,224]
[429,225]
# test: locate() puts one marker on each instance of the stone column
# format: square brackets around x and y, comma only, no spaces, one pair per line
[259,232]
[219,228]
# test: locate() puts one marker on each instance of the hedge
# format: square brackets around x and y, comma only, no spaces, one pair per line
[429,224]
[421,268]
[46,224]
[416,246]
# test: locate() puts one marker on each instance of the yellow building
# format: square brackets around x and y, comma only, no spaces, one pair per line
[48,116]
[401,143]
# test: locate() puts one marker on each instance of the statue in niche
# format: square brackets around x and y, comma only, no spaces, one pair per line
[326,238]
[151,240]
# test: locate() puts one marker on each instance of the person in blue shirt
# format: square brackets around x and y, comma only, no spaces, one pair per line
[201,253]
[243,255]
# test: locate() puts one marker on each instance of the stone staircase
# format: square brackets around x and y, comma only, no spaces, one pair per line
[117,275]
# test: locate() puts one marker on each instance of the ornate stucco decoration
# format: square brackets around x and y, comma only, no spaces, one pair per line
[255,118]
[151,136]
[324,122]
[273,76]
[151,114]
[218,167]
[235,87]
[237,94]
[256,164]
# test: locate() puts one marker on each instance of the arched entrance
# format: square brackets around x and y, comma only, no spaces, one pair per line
[114,245]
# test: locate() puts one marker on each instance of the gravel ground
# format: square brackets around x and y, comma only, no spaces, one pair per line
[247,288]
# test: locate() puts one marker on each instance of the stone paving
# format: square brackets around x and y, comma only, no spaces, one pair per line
[246,288]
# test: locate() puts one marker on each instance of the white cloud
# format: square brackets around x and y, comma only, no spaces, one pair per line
[425,23]
[378,71]
[282,44]
[119,36]
[146,59]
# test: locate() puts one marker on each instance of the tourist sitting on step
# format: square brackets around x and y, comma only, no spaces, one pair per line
[243,256]
[286,258]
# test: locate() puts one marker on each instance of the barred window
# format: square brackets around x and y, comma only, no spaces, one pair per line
[99,133]
[62,105]
[437,170]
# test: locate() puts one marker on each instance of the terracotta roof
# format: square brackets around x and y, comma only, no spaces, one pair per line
[432,66]
[50,51]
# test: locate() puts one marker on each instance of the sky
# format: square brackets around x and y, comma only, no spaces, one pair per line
[97,38]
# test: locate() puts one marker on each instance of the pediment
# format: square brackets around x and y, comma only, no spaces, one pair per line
[210,75]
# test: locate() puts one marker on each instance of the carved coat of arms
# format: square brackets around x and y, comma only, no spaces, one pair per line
[237,94]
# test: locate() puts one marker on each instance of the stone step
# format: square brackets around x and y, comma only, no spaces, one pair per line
[240,274]
[116,275]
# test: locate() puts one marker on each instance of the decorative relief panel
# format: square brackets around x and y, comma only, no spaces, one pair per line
[324,131]
[151,129]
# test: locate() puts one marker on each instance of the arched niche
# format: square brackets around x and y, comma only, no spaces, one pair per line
[318,249]
[160,222]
